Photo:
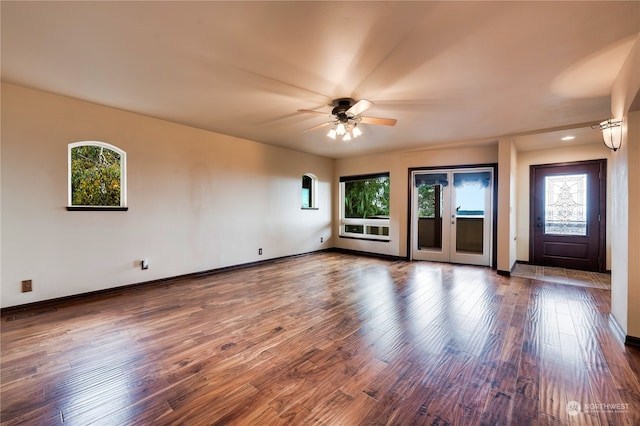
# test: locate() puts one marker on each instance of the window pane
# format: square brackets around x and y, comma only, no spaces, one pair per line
[307,184]
[367,198]
[378,230]
[430,205]
[566,205]
[354,229]
[95,176]
[470,191]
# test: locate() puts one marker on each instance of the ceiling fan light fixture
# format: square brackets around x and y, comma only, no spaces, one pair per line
[345,118]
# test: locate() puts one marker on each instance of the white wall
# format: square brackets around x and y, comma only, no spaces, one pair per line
[549,156]
[398,165]
[197,200]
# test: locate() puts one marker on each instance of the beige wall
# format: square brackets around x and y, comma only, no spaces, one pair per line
[633,245]
[625,269]
[559,155]
[398,165]
[197,200]
[507,211]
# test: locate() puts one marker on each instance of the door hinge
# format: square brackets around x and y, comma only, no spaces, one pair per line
[598,218]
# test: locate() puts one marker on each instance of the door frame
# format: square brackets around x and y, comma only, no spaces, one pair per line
[494,197]
[602,187]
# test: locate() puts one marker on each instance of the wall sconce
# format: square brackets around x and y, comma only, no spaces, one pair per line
[611,133]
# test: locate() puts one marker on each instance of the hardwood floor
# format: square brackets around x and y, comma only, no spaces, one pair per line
[327,338]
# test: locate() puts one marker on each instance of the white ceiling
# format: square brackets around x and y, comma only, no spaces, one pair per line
[447,71]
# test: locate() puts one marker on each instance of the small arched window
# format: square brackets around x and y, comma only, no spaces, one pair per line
[97,176]
[309,185]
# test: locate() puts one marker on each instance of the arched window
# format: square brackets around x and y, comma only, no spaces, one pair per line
[309,185]
[97,176]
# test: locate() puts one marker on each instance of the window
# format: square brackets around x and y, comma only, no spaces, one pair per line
[364,205]
[309,185]
[97,177]
[565,204]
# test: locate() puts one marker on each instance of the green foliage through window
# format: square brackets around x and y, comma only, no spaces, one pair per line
[427,200]
[366,198]
[95,176]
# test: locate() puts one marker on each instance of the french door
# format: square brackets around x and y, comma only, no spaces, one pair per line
[567,222]
[452,215]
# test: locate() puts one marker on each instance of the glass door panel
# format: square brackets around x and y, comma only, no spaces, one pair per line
[430,217]
[565,207]
[430,210]
[469,217]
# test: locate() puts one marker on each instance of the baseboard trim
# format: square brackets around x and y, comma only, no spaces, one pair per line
[368,254]
[618,331]
[74,298]
[632,341]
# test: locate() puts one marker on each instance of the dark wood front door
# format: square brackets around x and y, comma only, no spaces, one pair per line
[567,224]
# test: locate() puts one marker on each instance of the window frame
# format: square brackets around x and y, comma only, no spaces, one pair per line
[123,178]
[313,197]
[365,223]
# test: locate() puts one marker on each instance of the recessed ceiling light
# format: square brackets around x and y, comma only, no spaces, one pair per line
[568,138]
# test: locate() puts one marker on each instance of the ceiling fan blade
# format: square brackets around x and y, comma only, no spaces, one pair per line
[310,129]
[359,107]
[310,111]
[377,120]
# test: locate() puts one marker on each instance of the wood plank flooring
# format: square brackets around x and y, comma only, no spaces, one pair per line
[327,338]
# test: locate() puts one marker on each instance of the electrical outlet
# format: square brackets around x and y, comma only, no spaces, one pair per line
[321,240]
[259,252]
[144,264]
[27,285]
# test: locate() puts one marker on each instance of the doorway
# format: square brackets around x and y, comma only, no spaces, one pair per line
[567,218]
[452,215]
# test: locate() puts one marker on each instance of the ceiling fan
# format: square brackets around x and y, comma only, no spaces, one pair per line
[345,118]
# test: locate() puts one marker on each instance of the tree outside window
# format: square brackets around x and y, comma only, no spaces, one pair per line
[365,201]
[427,200]
[96,175]
[367,198]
